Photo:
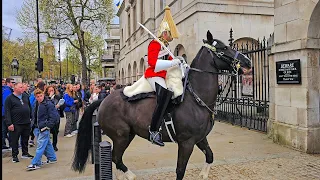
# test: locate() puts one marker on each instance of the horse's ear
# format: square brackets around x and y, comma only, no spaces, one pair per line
[209,37]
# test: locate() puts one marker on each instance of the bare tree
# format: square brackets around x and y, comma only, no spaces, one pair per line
[68,20]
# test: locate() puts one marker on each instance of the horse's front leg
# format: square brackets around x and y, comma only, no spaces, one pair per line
[184,151]
[205,148]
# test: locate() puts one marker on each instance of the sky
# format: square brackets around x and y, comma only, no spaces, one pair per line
[9,11]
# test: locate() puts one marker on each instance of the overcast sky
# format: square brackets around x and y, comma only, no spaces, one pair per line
[9,11]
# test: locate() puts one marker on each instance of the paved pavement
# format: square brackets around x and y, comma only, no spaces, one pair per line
[239,154]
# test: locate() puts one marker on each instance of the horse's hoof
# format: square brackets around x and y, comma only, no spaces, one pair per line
[203,175]
[119,175]
[129,175]
[205,171]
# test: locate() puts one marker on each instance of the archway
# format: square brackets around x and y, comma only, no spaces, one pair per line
[180,51]
[254,49]
[141,67]
[245,44]
[122,77]
[119,77]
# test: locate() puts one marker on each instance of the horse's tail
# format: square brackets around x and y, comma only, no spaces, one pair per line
[84,138]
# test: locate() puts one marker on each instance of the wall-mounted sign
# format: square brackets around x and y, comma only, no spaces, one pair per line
[288,72]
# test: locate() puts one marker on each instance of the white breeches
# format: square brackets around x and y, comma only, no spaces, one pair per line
[152,81]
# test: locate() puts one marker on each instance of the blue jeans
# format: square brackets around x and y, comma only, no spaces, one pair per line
[44,147]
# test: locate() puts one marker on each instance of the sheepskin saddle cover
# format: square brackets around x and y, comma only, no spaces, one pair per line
[142,89]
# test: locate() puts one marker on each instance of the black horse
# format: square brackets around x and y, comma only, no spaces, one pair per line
[122,120]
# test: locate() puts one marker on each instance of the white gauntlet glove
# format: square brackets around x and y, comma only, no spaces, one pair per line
[165,64]
[175,62]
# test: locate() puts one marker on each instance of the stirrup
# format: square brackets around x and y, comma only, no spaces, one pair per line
[153,140]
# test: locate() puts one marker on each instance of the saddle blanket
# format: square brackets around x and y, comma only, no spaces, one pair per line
[142,86]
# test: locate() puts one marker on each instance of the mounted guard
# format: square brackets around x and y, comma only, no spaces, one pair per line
[159,61]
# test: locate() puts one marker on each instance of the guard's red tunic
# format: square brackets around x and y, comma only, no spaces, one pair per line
[153,51]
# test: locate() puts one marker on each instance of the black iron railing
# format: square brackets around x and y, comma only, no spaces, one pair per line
[248,104]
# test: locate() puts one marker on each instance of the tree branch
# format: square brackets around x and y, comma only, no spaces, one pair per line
[56,37]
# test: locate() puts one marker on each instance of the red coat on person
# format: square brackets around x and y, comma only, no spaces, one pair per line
[153,52]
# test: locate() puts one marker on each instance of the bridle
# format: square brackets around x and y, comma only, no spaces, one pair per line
[233,61]
[233,71]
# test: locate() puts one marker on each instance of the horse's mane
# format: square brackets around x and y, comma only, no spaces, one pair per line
[197,57]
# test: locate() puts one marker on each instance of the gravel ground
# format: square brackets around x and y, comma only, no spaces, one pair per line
[239,154]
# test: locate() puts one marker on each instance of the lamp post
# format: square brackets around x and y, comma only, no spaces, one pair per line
[59,57]
[38,32]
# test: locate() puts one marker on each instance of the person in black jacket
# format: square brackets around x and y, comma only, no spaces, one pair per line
[17,118]
[44,118]
[103,92]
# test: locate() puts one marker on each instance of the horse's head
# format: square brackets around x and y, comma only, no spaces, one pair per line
[227,58]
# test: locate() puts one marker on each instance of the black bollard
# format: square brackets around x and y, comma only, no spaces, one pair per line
[105,160]
[96,155]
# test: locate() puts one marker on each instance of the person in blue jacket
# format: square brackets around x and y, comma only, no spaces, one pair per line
[44,118]
[70,110]
[6,91]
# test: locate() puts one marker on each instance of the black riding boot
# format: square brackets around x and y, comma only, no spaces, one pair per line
[163,98]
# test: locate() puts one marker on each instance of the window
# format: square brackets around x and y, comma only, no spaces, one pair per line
[122,38]
[129,27]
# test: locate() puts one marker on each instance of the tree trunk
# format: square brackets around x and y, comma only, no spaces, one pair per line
[84,67]
[80,34]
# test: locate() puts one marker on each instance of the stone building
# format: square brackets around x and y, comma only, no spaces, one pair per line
[293,116]
[110,58]
[250,19]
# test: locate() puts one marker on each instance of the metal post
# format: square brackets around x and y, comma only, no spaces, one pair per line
[38,29]
[38,32]
[96,154]
[105,161]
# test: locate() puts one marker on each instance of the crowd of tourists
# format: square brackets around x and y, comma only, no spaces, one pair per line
[30,115]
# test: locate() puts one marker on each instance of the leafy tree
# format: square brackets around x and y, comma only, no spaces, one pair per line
[25,50]
[69,20]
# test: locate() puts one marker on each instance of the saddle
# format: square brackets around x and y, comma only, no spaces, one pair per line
[142,89]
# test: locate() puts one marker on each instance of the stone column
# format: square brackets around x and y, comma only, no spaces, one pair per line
[294,119]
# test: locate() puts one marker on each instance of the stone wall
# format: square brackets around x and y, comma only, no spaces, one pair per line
[294,118]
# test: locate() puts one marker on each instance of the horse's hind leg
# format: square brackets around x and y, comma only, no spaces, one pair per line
[205,148]
[120,144]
